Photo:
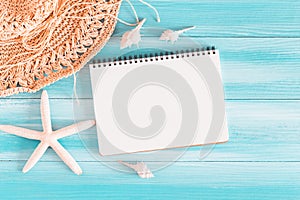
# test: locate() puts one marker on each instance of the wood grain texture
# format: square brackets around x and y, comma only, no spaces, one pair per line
[259,42]
[259,130]
[222,18]
[225,180]
[263,68]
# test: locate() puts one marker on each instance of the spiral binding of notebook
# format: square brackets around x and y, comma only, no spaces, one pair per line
[151,57]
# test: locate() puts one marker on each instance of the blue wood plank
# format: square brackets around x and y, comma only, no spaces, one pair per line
[189,180]
[259,130]
[251,68]
[222,18]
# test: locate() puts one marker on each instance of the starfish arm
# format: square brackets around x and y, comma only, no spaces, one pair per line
[45,112]
[74,128]
[66,157]
[22,132]
[36,155]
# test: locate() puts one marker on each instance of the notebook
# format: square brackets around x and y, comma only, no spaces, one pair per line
[153,102]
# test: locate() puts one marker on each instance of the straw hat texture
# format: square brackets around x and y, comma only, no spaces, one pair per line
[42,41]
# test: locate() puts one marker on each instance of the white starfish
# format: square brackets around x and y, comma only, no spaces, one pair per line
[140,168]
[48,137]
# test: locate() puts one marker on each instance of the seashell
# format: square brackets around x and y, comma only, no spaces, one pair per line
[141,169]
[132,37]
[170,35]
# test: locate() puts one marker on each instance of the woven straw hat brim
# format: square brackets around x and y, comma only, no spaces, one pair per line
[58,47]
[18,17]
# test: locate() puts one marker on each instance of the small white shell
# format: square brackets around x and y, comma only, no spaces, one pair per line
[170,35]
[140,168]
[132,37]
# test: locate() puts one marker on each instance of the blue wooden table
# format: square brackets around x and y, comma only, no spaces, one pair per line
[260,54]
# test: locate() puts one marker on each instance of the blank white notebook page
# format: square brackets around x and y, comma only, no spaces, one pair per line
[159,102]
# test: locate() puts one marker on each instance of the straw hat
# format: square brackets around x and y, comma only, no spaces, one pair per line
[42,41]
